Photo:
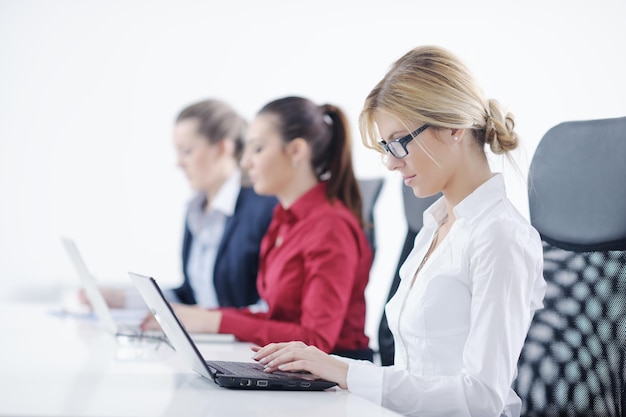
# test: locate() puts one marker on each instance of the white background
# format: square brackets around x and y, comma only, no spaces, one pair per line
[89,91]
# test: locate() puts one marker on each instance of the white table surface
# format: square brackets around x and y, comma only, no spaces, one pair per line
[66,366]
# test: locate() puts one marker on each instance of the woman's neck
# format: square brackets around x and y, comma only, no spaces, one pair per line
[215,186]
[461,185]
[295,190]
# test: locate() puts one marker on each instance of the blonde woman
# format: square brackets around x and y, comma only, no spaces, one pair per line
[474,278]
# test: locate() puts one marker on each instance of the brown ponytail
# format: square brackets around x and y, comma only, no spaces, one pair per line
[325,129]
[342,183]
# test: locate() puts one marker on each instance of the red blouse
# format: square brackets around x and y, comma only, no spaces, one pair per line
[314,265]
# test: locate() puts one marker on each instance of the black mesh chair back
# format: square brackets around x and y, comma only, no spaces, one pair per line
[574,359]
[413,211]
[370,191]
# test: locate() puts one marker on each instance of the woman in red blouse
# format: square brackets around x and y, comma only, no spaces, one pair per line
[315,259]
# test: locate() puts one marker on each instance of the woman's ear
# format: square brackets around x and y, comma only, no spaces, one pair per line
[226,147]
[457,135]
[298,151]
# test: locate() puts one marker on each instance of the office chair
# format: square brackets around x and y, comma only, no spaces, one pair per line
[413,209]
[370,190]
[573,362]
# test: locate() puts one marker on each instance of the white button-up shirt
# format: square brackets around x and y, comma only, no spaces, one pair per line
[207,228]
[459,330]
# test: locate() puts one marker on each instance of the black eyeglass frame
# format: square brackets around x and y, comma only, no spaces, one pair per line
[391,148]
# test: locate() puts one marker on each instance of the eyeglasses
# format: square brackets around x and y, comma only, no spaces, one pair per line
[398,147]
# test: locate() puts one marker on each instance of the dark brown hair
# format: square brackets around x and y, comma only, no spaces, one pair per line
[325,129]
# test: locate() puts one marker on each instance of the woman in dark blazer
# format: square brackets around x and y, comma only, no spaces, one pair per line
[237,261]
[225,220]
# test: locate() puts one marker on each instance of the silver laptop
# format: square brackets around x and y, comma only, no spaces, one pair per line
[239,375]
[127,324]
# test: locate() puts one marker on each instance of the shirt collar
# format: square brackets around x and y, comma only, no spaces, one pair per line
[225,200]
[303,205]
[472,206]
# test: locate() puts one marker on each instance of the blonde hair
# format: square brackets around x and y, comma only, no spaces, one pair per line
[431,85]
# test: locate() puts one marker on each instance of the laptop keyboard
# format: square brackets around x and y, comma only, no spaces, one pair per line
[248,369]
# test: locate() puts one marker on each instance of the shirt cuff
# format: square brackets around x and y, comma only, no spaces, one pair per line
[228,323]
[366,380]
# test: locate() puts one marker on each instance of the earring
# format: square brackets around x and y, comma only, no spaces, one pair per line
[456,138]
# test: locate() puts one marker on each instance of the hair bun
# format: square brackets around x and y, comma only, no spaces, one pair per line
[499,129]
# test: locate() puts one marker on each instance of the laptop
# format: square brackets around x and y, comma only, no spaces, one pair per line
[238,375]
[120,322]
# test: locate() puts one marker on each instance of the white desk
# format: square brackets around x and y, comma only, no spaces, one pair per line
[52,366]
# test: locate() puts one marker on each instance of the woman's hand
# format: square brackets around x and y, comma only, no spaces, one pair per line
[296,356]
[195,319]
